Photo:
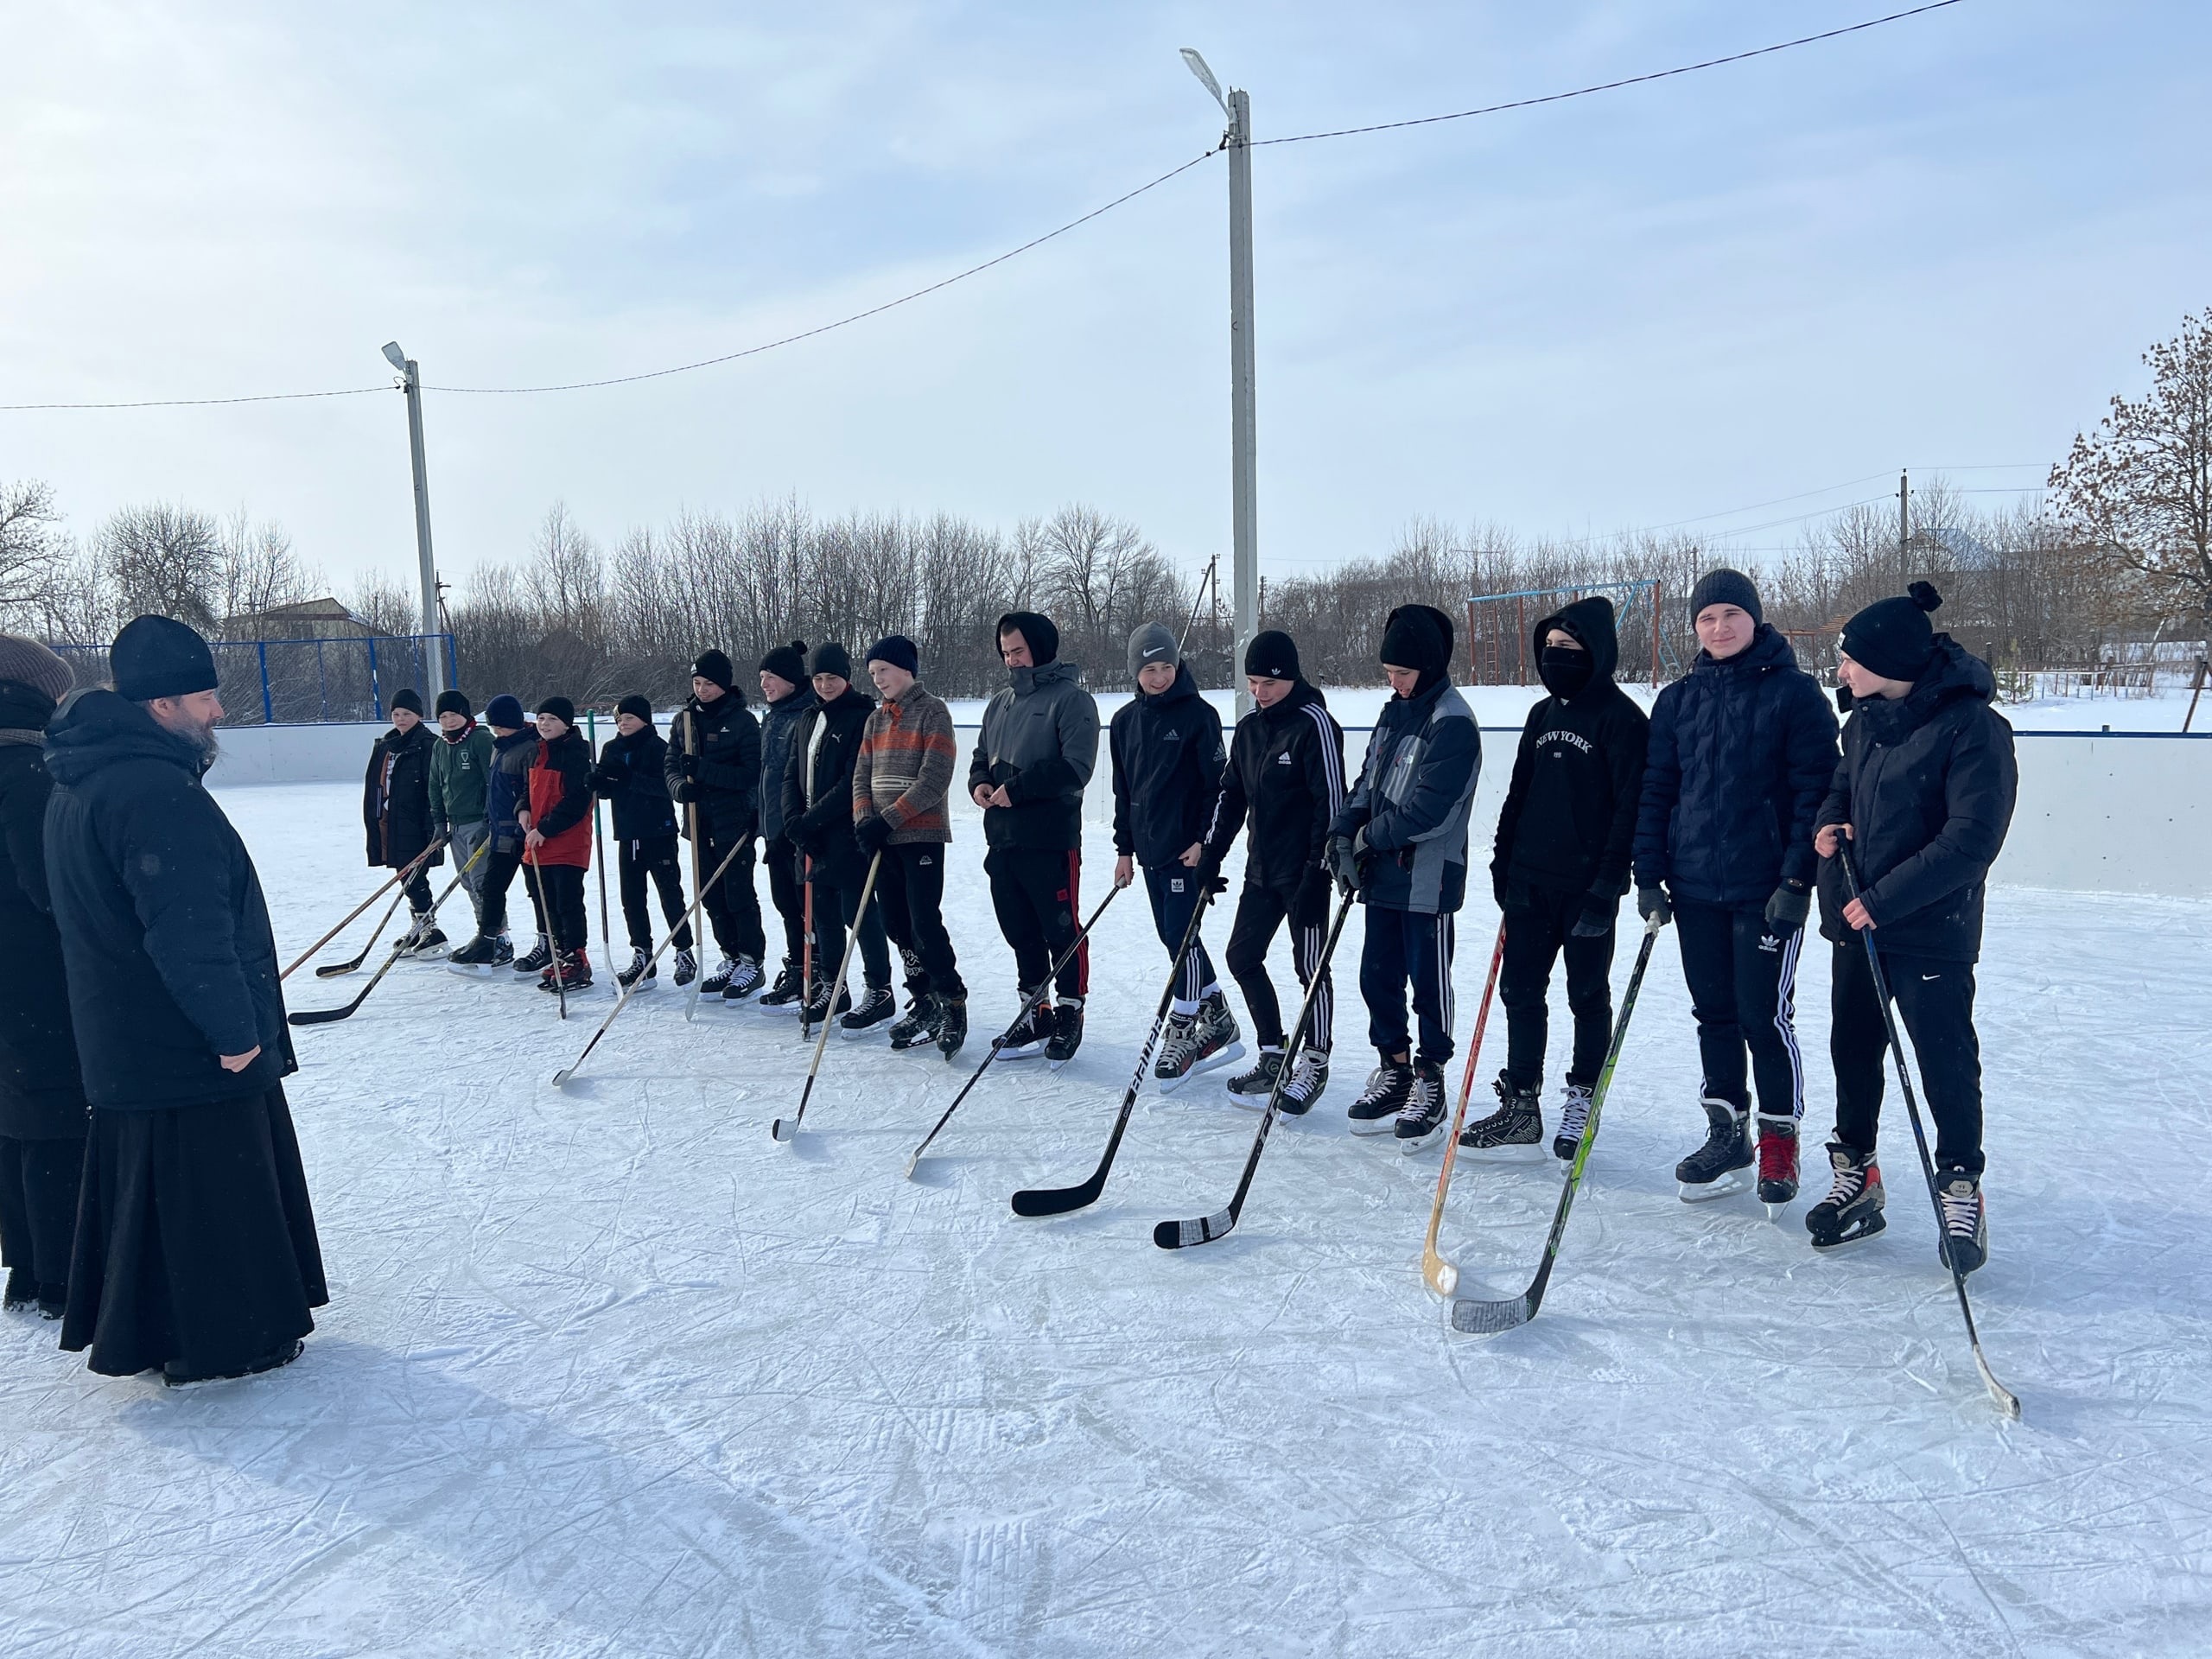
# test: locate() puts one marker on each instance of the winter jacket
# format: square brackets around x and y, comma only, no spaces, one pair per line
[1569,819]
[513,756]
[164,932]
[1927,783]
[778,722]
[560,800]
[818,785]
[1040,740]
[905,767]
[461,778]
[632,775]
[1741,753]
[1286,774]
[1168,761]
[1416,790]
[726,740]
[42,1091]
[396,797]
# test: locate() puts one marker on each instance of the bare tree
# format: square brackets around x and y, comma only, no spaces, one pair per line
[164,560]
[31,546]
[260,569]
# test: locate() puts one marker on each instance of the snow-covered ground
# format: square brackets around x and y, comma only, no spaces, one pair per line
[607,1372]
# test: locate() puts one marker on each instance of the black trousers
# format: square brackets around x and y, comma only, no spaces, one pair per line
[654,858]
[1173,891]
[1935,1003]
[733,905]
[787,890]
[499,870]
[1743,981]
[910,886]
[836,907]
[417,889]
[1035,893]
[38,1209]
[1406,945]
[1260,911]
[1539,929]
[561,891]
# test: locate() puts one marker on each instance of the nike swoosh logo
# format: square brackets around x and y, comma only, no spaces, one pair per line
[1926,977]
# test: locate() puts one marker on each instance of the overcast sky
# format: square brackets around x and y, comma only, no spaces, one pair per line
[1943,243]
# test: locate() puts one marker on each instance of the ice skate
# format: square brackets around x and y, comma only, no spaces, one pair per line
[1067,1032]
[539,959]
[1308,1079]
[686,969]
[745,980]
[1026,1037]
[641,966]
[567,973]
[1852,1212]
[481,956]
[426,938]
[951,1025]
[917,1028]
[1252,1088]
[790,986]
[1390,1086]
[1421,1120]
[1716,1169]
[1777,1163]
[817,1008]
[1514,1131]
[876,1005]
[718,981]
[1966,1219]
[1573,1118]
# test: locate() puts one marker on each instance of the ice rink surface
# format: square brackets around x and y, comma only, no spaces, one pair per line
[607,1372]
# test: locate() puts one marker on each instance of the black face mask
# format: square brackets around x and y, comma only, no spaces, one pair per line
[1563,669]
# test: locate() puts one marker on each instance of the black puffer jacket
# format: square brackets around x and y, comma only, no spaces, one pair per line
[633,776]
[824,830]
[164,930]
[1286,775]
[1167,765]
[727,740]
[41,1092]
[395,806]
[778,722]
[1927,784]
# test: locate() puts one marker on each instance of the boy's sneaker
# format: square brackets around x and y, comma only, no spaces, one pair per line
[951,1024]
[1252,1088]
[641,966]
[744,979]
[1715,1169]
[917,1028]
[1966,1219]
[1778,1160]
[687,967]
[1390,1086]
[1307,1079]
[539,959]
[1517,1125]
[1067,1032]
[718,981]
[876,1005]
[1421,1120]
[790,986]
[1852,1209]
[1026,1038]
[1573,1118]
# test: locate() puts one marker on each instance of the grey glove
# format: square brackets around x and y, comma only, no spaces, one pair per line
[1344,862]
[1786,910]
[1652,903]
[1595,919]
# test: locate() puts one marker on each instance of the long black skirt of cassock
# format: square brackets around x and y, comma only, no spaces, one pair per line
[195,1242]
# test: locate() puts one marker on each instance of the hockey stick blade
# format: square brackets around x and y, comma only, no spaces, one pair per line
[1480,1319]
[339,970]
[1181,1235]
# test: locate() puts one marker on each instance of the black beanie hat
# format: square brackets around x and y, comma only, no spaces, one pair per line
[788,662]
[1418,636]
[560,707]
[453,703]
[410,699]
[505,711]
[155,657]
[1272,655]
[1037,633]
[642,707]
[897,649]
[1893,637]
[714,665]
[1725,587]
[830,657]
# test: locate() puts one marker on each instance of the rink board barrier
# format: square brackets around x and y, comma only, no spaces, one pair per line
[2099,811]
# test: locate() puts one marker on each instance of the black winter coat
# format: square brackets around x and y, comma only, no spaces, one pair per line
[633,776]
[1286,775]
[507,790]
[164,931]
[1168,763]
[726,740]
[778,722]
[824,830]
[1569,819]
[42,1091]
[1927,784]
[1741,753]
[396,809]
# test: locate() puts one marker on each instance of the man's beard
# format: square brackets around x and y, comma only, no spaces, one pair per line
[201,736]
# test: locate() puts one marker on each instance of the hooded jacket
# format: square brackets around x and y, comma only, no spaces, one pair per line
[727,740]
[42,1091]
[1168,761]
[508,789]
[778,722]
[1040,741]
[818,785]
[396,797]
[1741,753]
[164,931]
[1416,790]
[1569,819]
[1927,784]
[461,778]
[633,776]
[560,800]
[1286,777]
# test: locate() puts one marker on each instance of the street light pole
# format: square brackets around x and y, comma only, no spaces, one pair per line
[411,384]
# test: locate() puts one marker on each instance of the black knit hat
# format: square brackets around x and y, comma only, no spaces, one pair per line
[505,711]
[560,707]
[714,665]
[453,703]
[830,657]
[1725,587]
[155,657]
[634,704]
[1418,636]
[1893,637]
[786,662]
[409,699]
[1272,655]
[897,649]
[1037,633]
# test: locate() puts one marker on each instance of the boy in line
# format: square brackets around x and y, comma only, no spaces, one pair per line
[788,695]
[819,817]
[714,765]
[633,775]
[460,765]
[396,810]
[506,793]
[556,841]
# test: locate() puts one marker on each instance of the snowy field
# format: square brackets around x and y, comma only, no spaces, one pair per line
[606,1372]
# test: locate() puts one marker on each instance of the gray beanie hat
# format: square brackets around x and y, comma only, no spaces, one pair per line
[1152,644]
[25,662]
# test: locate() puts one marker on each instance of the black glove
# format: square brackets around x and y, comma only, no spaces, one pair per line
[687,766]
[1652,903]
[1595,919]
[1786,910]
[1497,885]
[686,792]
[604,780]
[873,833]
[1309,906]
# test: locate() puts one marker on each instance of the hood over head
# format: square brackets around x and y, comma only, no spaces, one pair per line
[1590,620]
[1037,630]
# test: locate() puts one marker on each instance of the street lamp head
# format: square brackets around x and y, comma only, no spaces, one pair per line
[394,356]
[1205,76]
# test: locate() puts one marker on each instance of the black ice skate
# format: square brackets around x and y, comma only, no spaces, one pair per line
[480,956]
[817,1008]
[718,981]
[951,1025]
[1304,1086]
[1421,1120]
[876,1005]
[1852,1210]
[641,966]
[1515,1129]
[1026,1037]
[1390,1086]
[790,986]
[1777,1163]
[1573,1118]
[567,973]
[1067,1032]
[686,969]
[744,979]
[1966,1219]
[425,939]
[1252,1088]
[539,959]
[1716,1169]
[917,1027]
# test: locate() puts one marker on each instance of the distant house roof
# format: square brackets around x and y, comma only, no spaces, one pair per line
[324,613]
[1970,552]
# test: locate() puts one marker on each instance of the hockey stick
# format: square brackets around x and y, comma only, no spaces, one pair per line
[2007,1401]
[329,1016]
[543,900]
[1442,1276]
[331,970]
[599,841]
[1058,1200]
[691,812]
[806,946]
[1487,1318]
[1179,1234]
[787,1134]
[691,920]
[1028,1003]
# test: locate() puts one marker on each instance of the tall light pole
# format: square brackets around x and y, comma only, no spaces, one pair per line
[1243,402]
[411,383]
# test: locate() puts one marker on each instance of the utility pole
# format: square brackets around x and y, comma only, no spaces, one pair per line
[1904,530]
[411,384]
